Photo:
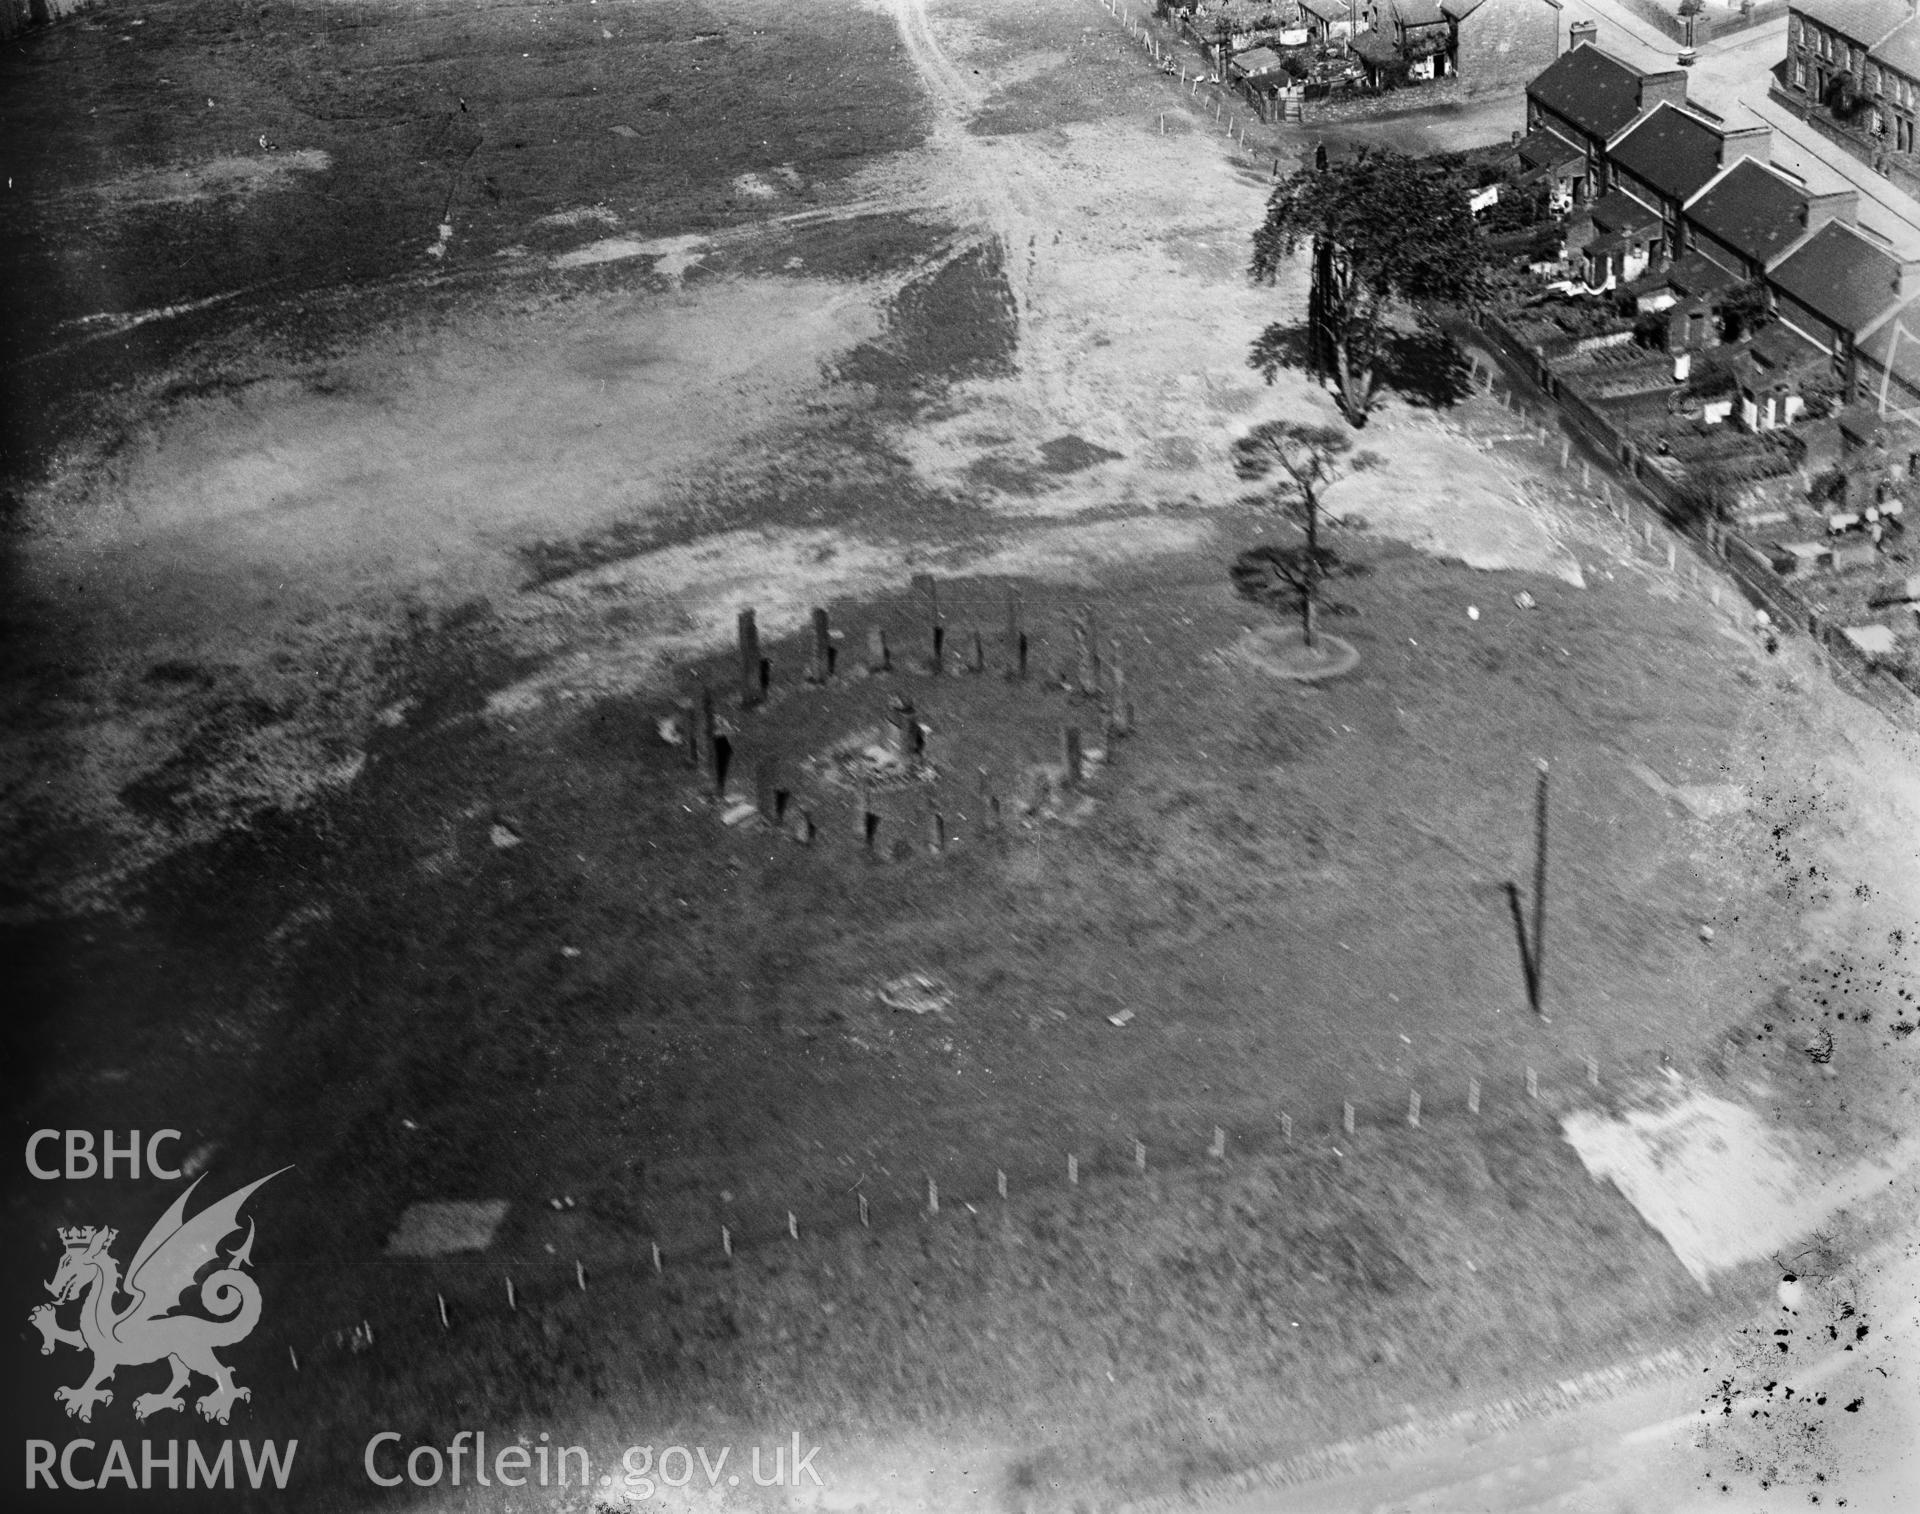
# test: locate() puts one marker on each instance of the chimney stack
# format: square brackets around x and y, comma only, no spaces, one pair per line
[1581,31]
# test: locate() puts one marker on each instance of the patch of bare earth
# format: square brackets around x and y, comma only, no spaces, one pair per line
[344,817]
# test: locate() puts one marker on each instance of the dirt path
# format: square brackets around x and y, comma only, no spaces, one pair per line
[543,507]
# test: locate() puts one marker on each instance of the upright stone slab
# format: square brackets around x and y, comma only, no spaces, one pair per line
[750,676]
[690,731]
[709,726]
[1070,754]
[820,665]
[1087,649]
[879,659]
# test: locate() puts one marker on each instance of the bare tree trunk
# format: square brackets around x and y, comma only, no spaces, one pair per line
[1311,591]
[1356,385]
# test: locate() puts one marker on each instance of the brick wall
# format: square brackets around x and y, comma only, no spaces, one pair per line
[1507,39]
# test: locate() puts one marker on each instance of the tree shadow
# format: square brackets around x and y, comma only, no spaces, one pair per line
[1426,368]
[1280,347]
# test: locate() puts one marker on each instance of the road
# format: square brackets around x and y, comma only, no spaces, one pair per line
[1830,1422]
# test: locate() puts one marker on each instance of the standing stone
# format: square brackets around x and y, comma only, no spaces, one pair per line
[879,659]
[1070,754]
[750,666]
[936,830]
[765,796]
[977,660]
[924,583]
[709,724]
[820,667]
[904,731]
[1119,707]
[1016,637]
[1087,652]
[691,739]
[722,760]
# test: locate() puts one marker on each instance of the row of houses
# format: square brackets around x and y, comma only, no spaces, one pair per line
[1669,203]
[1481,42]
[1856,63]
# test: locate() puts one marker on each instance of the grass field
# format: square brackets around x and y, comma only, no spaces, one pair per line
[342,833]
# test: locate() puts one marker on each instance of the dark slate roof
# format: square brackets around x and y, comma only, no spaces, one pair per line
[1376,49]
[1621,212]
[1839,274]
[1327,10]
[1900,49]
[1418,12]
[1862,422]
[1755,211]
[1592,89]
[1543,148]
[1460,9]
[1865,21]
[1674,151]
[1696,275]
[1778,346]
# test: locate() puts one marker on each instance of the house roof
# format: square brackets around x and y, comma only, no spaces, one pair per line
[1592,89]
[1864,423]
[1696,275]
[1327,10]
[1546,149]
[1864,21]
[1460,9]
[1780,346]
[1255,61]
[1621,212]
[1755,211]
[1417,12]
[1672,150]
[1841,276]
[1900,48]
[1376,49]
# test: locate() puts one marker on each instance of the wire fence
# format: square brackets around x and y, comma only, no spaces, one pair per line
[1656,506]
[1206,94]
[450,1294]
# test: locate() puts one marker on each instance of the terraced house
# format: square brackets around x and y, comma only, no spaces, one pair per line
[1748,216]
[1580,103]
[1856,63]
[1669,203]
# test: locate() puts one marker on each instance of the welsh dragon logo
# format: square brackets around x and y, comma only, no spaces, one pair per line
[172,1256]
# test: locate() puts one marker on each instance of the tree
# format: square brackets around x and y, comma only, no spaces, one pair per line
[1744,309]
[1299,462]
[1384,228]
